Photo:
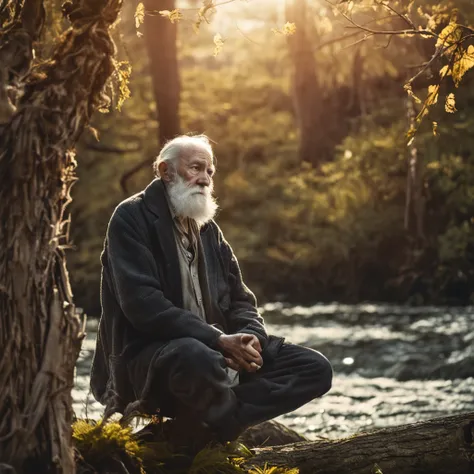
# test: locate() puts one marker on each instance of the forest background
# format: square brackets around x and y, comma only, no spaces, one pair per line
[323,194]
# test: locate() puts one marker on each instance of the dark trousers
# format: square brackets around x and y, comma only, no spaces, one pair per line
[186,376]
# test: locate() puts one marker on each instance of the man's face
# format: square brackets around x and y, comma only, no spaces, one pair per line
[196,168]
[190,190]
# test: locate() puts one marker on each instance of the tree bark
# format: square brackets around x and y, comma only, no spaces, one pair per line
[160,38]
[269,433]
[306,89]
[40,334]
[438,446]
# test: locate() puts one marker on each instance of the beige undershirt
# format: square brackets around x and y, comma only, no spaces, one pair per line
[186,233]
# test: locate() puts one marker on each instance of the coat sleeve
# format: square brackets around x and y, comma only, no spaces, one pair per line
[138,289]
[243,315]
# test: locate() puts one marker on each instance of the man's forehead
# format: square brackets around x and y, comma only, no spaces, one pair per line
[196,152]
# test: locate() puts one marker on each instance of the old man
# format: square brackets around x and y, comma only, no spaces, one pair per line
[180,332]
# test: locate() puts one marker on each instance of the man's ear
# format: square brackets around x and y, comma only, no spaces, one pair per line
[164,170]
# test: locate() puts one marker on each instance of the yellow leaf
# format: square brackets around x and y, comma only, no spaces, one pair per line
[450,105]
[139,15]
[435,129]
[444,71]
[218,42]
[449,37]
[462,63]
[173,15]
[432,98]
[287,29]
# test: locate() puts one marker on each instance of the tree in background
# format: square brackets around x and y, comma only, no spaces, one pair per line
[307,94]
[45,104]
[160,36]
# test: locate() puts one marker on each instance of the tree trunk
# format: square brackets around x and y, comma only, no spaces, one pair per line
[160,38]
[415,201]
[438,446]
[306,89]
[41,121]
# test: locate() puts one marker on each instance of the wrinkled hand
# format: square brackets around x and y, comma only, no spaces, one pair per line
[241,351]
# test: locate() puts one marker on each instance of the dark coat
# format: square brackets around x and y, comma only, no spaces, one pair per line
[141,293]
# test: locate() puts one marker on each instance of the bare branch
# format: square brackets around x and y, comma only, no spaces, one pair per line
[361,40]
[350,35]
[466,27]
[111,149]
[437,54]
[245,36]
[403,32]
[388,42]
[400,15]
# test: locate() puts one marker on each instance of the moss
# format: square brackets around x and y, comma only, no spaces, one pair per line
[110,447]
[101,444]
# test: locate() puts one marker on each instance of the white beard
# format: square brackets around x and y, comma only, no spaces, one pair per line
[195,202]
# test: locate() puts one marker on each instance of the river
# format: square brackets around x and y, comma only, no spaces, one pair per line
[392,364]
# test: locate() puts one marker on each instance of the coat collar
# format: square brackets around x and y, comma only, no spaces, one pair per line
[155,199]
[156,202]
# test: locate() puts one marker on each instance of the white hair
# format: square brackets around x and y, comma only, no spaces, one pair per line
[174,148]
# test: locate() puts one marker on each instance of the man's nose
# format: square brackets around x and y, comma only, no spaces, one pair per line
[204,179]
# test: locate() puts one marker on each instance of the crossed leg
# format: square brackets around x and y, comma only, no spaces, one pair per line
[186,376]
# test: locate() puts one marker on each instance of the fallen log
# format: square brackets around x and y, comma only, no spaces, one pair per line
[269,433]
[438,446]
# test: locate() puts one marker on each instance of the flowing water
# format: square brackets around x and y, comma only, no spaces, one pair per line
[392,364]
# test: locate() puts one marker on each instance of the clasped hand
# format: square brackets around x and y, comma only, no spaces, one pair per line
[241,351]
